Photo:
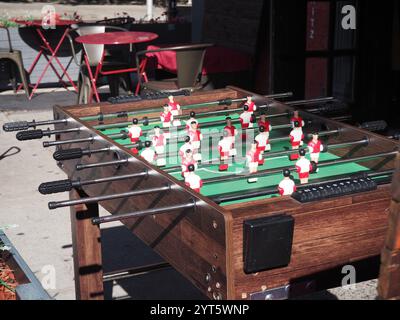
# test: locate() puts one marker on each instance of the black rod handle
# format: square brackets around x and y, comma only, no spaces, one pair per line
[374,126]
[56,186]
[30,135]
[16,126]
[332,108]
[68,154]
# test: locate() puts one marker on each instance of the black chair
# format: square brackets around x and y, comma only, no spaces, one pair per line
[9,55]
[189,62]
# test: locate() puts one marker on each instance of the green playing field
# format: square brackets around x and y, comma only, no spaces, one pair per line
[239,168]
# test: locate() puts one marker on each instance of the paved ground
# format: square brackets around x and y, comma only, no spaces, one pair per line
[87,12]
[43,236]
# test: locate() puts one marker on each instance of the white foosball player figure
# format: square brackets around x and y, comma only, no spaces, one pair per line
[252,106]
[191,119]
[253,158]
[187,161]
[192,180]
[315,147]
[287,186]
[159,142]
[296,139]
[304,167]
[186,146]
[195,139]
[148,153]
[225,147]
[262,143]
[246,118]
[297,118]
[134,133]
[166,117]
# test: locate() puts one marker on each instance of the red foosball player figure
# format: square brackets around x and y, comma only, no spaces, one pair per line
[304,167]
[252,106]
[148,153]
[159,142]
[174,107]
[315,147]
[192,180]
[263,122]
[225,147]
[195,139]
[187,161]
[233,133]
[296,139]
[135,132]
[262,140]
[253,158]
[287,186]
[191,119]
[166,117]
[186,146]
[297,118]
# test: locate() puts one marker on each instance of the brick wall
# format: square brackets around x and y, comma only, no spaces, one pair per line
[232,23]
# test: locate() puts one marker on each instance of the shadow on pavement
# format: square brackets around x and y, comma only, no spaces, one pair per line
[122,250]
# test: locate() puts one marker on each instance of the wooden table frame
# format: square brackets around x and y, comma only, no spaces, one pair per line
[206,245]
[389,279]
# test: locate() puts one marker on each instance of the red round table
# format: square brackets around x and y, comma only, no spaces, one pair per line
[112,38]
[39,24]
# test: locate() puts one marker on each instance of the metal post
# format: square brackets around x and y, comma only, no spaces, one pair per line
[149,4]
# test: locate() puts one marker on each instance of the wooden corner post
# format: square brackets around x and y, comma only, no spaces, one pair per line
[86,242]
[389,279]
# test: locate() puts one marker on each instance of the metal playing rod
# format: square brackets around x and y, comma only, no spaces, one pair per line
[133,272]
[309,102]
[68,185]
[61,142]
[122,135]
[271,155]
[25,125]
[68,203]
[222,102]
[181,138]
[146,121]
[80,167]
[142,213]
[261,192]
[264,173]
[202,115]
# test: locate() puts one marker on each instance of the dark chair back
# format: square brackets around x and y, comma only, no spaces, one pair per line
[189,62]
[8,38]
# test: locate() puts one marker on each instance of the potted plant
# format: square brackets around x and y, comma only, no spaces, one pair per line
[8,281]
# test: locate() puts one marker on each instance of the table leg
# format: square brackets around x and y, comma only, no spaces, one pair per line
[31,68]
[389,278]
[53,56]
[86,242]
[92,81]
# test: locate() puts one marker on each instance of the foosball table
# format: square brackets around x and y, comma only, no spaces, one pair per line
[236,234]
